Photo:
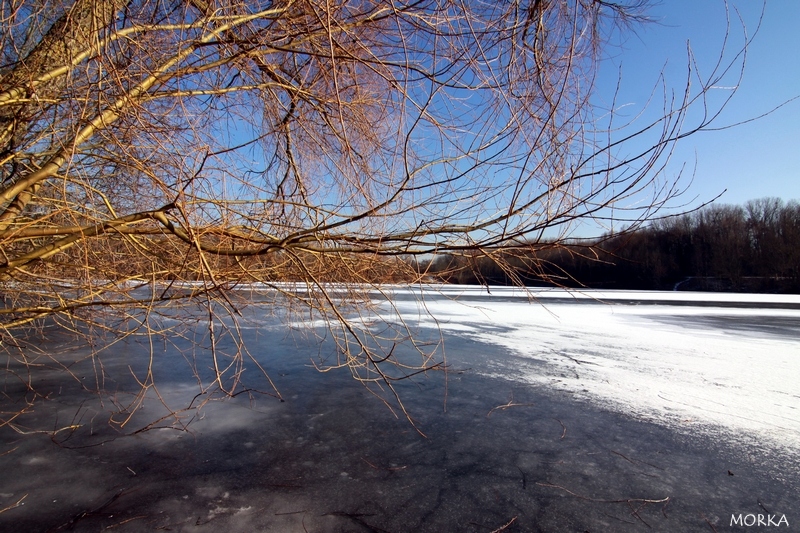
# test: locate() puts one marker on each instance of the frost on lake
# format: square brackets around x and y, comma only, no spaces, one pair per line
[705,362]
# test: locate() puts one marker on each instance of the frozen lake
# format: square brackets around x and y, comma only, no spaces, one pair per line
[697,362]
[593,411]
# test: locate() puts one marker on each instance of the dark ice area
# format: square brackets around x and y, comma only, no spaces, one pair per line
[770,326]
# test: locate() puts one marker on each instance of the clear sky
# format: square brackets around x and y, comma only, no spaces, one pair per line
[753,160]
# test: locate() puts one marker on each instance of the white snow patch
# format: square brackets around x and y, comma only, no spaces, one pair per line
[656,362]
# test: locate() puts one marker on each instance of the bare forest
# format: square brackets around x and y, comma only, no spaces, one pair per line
[750,248]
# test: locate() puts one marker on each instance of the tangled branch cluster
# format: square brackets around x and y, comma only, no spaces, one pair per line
[158,151]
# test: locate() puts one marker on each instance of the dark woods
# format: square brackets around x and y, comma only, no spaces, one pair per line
[754,248]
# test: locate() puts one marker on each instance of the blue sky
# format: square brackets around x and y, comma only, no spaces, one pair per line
[753,160]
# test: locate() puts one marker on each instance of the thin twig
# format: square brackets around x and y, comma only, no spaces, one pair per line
[9,451]
[563,433]
[504,527]
[714,529]
[634,461]
[506,406]
[623,500]
[387,468]
[13,505]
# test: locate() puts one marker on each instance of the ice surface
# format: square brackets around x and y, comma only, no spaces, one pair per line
[735,367]
[590,411]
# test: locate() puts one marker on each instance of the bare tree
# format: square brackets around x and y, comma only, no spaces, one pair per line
[145,145]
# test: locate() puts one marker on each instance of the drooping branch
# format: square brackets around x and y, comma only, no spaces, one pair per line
[309,142]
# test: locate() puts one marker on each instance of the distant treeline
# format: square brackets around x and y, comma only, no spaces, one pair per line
[750,248]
